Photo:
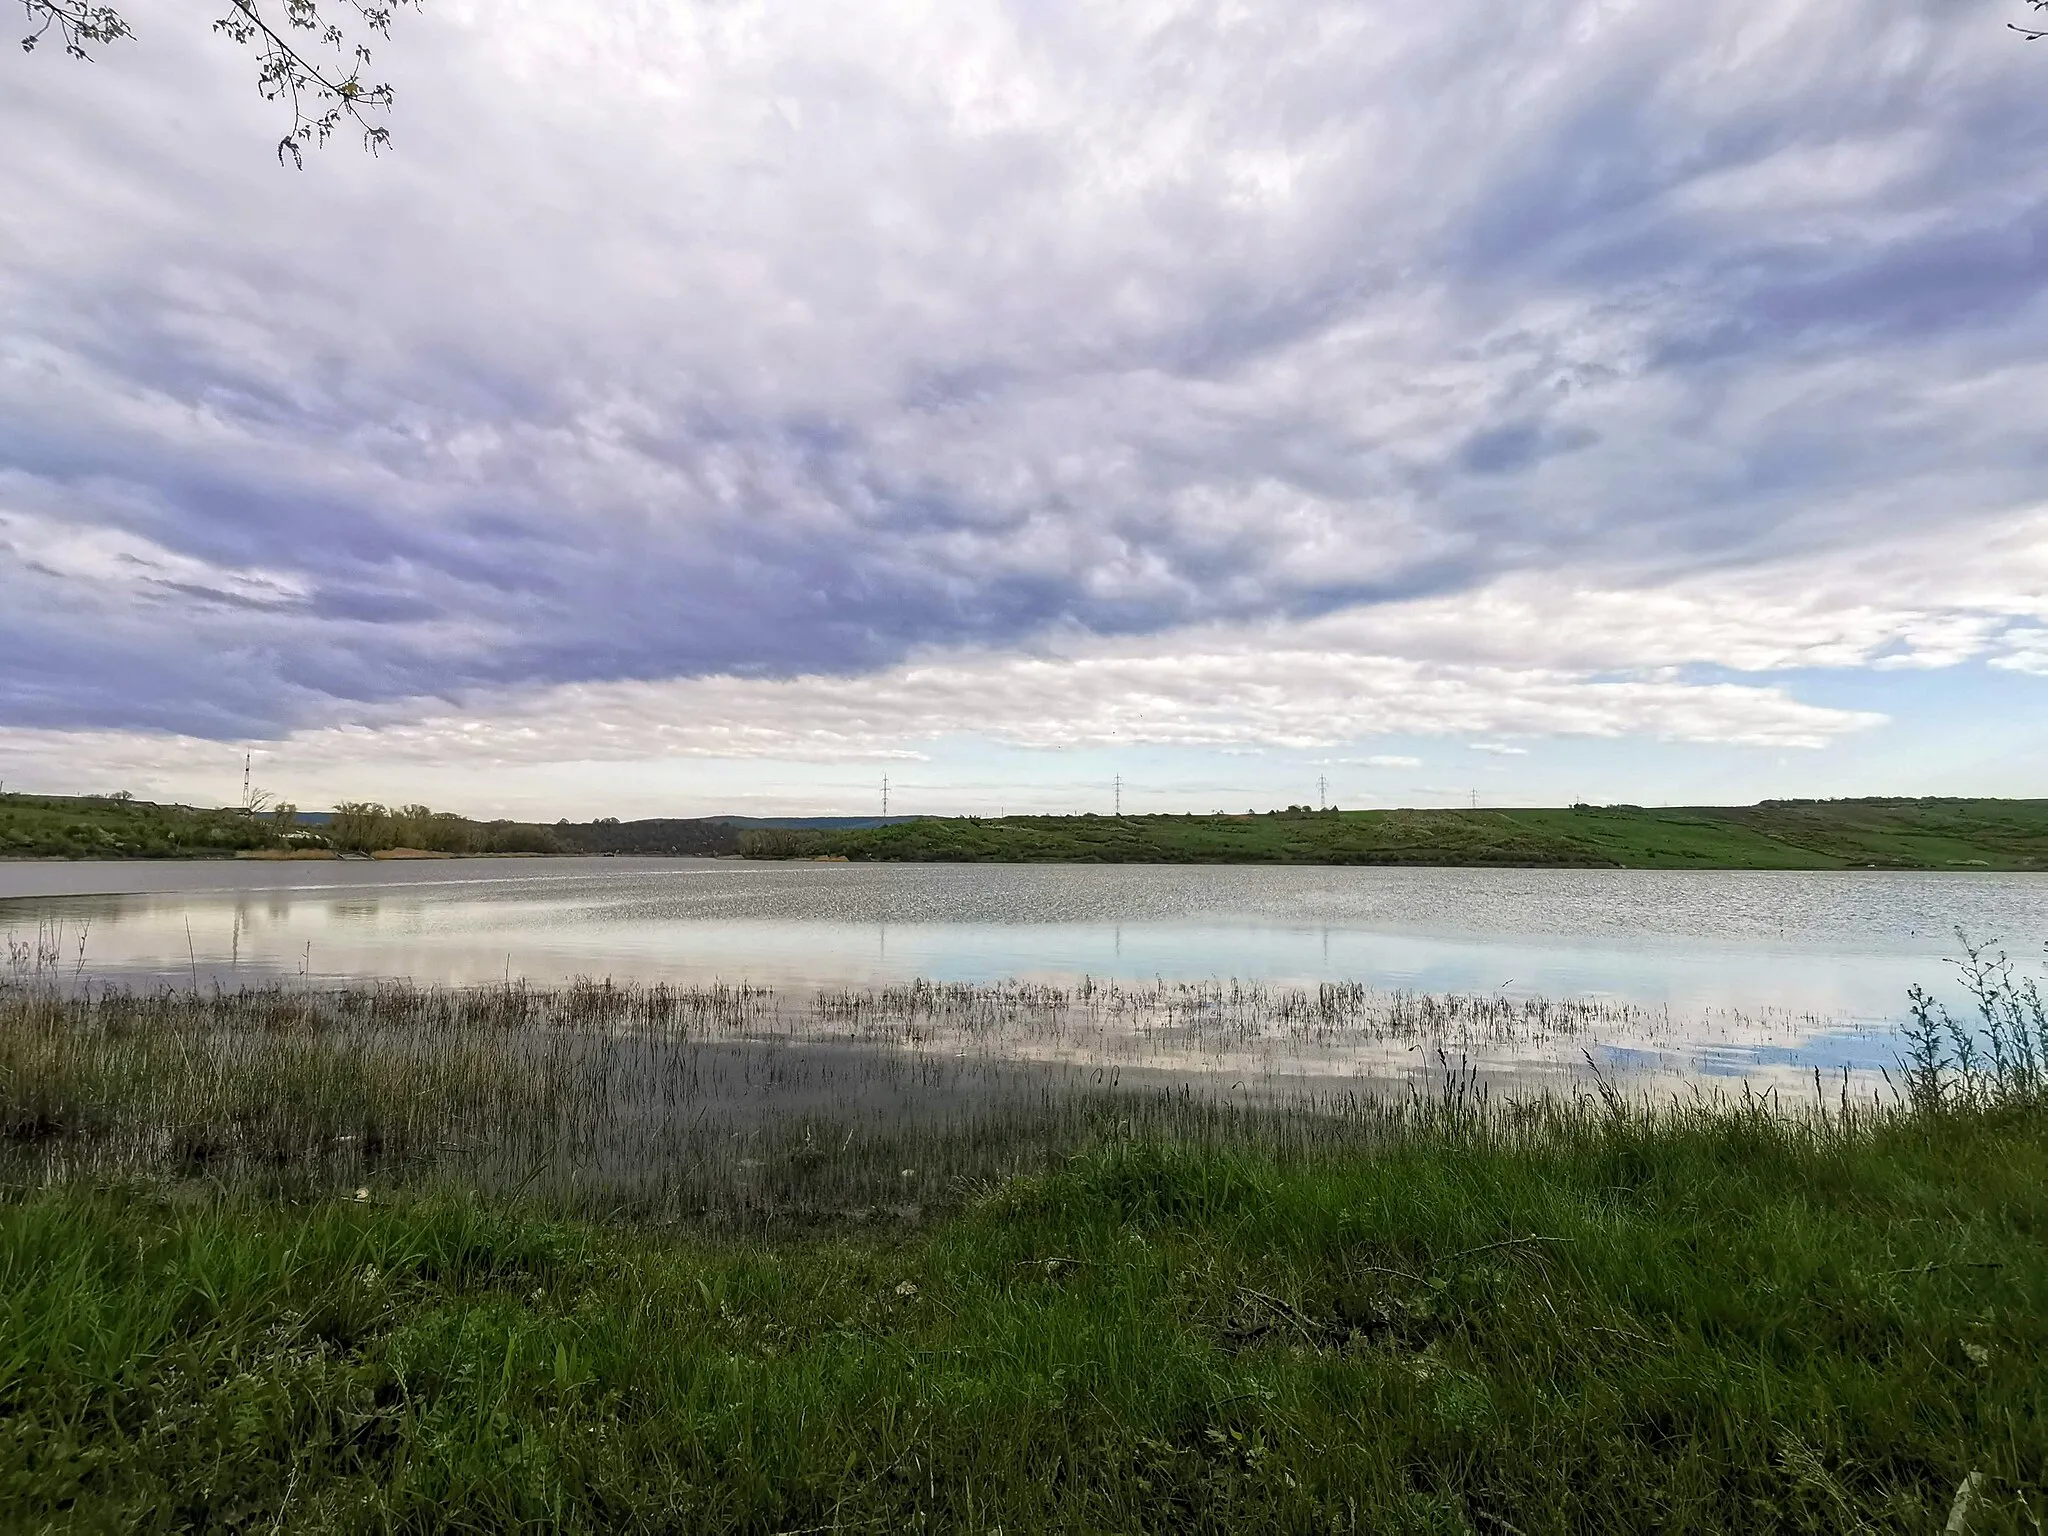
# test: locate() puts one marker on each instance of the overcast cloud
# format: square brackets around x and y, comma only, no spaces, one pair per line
[748,380]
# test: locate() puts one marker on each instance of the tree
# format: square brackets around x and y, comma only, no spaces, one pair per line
[2032,34]
[286,35]
[360,826]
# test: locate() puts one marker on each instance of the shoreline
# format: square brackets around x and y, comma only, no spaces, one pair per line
[1973,867]
[2008,836]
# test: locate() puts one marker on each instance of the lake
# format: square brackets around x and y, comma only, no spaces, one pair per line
[1751,973]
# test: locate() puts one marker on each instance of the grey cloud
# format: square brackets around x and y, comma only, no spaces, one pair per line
[207,596]
[1517,445]
[1154,326]
[1939,284]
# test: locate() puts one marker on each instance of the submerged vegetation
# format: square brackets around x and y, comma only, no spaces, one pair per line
[1776,834]
[607,1258]
[696,1101]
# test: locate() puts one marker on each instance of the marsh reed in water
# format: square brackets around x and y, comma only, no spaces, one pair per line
[721,1100]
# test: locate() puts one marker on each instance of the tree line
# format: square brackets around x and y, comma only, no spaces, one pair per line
[363,826]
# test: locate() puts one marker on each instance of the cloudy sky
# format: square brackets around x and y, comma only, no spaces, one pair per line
[717,406]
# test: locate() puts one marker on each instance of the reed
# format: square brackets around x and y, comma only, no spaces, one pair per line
[729,1101]
[704,1100]
[616,1258]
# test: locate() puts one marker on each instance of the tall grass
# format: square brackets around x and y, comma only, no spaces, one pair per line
[728,1099]
[652,1259]
[1998,1057]
[598,1097]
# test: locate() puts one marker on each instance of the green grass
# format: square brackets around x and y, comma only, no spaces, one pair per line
[1833,834]
[640,1259]
[121,827]
[607,1259]
[117,827]
[1609,1320]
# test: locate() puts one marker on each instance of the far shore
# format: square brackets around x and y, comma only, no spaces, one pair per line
[297,854]
[1921,833]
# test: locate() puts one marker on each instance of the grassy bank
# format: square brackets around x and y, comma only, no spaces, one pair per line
[428,1260]
[1830,834]
[1606,1322]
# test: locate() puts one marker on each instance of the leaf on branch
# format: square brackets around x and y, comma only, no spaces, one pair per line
[322,97]
[77,24]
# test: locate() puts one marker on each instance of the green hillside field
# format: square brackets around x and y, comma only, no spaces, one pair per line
[120,827]
[1776,834]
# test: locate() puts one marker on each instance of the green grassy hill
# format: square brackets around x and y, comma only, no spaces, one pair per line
[116,827]
[122,827]
[1776,834]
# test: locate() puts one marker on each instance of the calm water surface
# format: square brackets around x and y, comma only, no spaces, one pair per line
[1755,969]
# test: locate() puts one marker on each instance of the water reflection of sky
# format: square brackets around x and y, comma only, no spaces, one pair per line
[1829,1051]
[1809,967]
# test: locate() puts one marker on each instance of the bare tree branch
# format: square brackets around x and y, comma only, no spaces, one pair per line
[2032,34]
[285,35]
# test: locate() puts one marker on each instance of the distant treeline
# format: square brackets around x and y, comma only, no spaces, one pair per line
[359,826]
[119,826]
[784,842]
[1774,834]
[662,836]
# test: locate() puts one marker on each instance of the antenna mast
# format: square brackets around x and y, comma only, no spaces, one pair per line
[1322,791]
[1119,794]
[885,794]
